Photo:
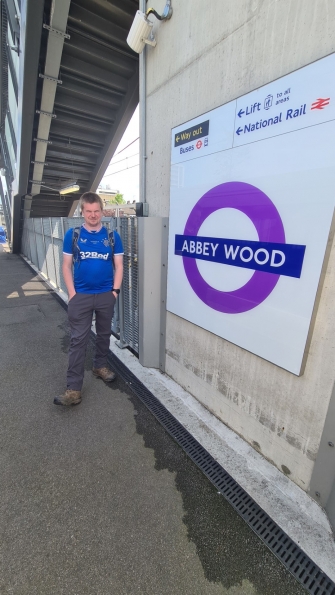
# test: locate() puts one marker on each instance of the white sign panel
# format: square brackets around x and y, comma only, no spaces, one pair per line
[250,213]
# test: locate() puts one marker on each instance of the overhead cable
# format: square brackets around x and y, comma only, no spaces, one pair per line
[117,172]
[132,142]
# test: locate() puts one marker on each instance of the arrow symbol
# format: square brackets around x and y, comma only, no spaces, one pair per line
[239,130]
[240,113]
[177,138]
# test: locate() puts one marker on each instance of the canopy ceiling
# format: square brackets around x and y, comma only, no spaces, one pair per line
[92,103]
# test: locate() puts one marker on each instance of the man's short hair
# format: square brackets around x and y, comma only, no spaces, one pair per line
[90,198]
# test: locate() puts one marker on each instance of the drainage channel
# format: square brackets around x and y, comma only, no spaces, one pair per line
[307,573]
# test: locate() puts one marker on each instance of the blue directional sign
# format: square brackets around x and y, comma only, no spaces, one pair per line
[282,259]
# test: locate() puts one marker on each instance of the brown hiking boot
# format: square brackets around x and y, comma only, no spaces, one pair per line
[105,373]
[70,397]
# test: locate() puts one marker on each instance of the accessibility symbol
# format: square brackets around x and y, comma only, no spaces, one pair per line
[260,209]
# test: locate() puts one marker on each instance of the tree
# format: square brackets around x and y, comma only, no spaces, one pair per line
[118,198]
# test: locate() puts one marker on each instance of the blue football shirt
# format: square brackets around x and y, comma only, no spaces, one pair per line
[93,273]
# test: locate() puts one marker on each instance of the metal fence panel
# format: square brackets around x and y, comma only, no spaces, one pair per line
[24,242]
[128,232]
[56,227]
[72,222]
[29,240]
[58,255]
[33,249]
[40,253]
[50,260]
[38,225]
[46,226]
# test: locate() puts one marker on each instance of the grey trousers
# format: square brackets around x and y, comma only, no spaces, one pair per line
[80,313]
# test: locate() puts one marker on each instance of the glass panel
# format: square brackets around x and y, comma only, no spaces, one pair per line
[10,145]
[15,57]
[12,101]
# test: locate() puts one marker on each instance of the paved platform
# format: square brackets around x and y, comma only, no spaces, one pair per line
[98,499]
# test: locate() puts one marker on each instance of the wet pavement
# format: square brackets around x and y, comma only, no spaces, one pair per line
[98,499]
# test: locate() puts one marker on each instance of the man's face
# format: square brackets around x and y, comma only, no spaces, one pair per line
[92,214]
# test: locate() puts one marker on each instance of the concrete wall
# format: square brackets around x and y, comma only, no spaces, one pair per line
[208,54]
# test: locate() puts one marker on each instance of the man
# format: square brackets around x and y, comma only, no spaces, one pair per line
[92,286]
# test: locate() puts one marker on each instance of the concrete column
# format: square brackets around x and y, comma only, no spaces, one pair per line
[152,259]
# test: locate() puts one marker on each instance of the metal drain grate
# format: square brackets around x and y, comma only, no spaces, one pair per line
[294,559]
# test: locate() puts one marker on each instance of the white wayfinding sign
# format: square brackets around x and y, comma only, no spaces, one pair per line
[251,207]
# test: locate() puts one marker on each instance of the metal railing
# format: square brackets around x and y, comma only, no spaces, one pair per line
[42,245]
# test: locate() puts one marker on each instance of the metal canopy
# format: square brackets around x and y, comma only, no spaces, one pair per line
[93,100]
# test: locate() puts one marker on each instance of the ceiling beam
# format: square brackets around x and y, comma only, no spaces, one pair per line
[96,113]
[58,21]
[76,88]
[94,73]
[99,26]
[68,130]
[121,11]
[93,52]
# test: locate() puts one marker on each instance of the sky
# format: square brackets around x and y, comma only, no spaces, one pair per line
[122,173]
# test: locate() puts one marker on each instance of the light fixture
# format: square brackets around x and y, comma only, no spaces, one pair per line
[66,189]
[69,188]
[141,30]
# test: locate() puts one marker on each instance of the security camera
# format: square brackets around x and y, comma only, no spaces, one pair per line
[140,33]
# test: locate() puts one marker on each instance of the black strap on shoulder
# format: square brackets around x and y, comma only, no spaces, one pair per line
[111,240]
[75,247]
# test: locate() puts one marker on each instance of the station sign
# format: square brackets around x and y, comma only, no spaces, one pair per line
[251,209]
[195,133]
